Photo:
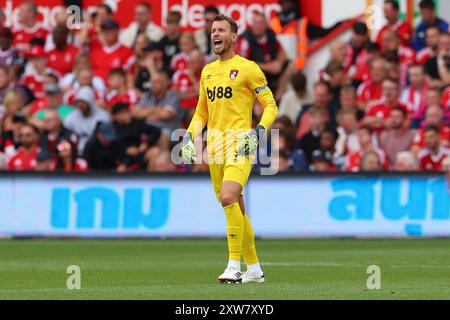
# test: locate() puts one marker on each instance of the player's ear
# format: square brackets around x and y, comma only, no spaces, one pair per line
[234,37]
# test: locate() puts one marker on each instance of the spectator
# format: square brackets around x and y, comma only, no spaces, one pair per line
[371,89]
[437,68]
[391,11]
[152,62]
[364,62]
[432,40]
[53,133]
[134,137]
[170,41]
[186,83]
[434,116]
[91,31]
[432,155]
[349,101]
[398,137]
[187,45]
[405,161]
[414,96]
[311,140]
[28,27]
[67,158]
[102,150]
[53,101]
[259,43]
[358,42]
[370,162]
[203,35]
[118,91]
[322,99]
[428,15]
[10,138]
[391,44]
[366,142]
[321,161]
[61,58]
[142,24]
[13,104]
[347,140]
[9,55]
[142,42]
[337,79]
[109,53]
[34,80]
[160,106]
[377,114]
[291,103]
[25,157]
[162,163]
[83,120]
[280,163]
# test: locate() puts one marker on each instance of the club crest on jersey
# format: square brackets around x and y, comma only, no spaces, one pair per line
[233,74]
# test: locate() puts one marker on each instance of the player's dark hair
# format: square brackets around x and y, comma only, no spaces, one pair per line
[36,41]
[232,23]
[211,9]
[427,4]
[391,57]
[299,81]
[360,28]
[432,127]
[393,3]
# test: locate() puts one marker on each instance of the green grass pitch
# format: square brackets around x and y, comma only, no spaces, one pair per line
[187,269]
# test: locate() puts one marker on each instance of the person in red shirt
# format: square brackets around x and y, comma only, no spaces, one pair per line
[371,90]
[446,98]
[62,57]
[28,27]
[366,142]
[364,61]
[415,95]
[92,25]
[391,11]
[432,41]
[434,115]
[187,82]
[110,54]
[432,156]
[118,92]
[35,79]
[25,157]
[378,113]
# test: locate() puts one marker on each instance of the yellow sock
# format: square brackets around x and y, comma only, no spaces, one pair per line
[235,230]
[248,244]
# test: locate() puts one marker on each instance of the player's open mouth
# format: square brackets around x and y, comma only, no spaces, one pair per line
[217,43]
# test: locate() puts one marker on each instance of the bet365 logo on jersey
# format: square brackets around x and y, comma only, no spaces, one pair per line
[219,93]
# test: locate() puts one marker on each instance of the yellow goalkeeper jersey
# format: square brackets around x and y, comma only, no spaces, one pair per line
[227,95]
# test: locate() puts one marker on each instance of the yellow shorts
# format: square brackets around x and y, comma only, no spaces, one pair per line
[238,172]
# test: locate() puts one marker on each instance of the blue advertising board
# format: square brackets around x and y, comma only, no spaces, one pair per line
[185,206]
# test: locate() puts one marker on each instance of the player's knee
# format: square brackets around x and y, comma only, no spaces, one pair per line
[228,197]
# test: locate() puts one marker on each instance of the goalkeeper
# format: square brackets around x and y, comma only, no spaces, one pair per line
[228,88]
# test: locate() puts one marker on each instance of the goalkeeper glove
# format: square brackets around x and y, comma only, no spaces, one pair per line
[247,143]
[187,149]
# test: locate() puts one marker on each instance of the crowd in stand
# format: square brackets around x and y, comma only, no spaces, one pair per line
[106,97]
